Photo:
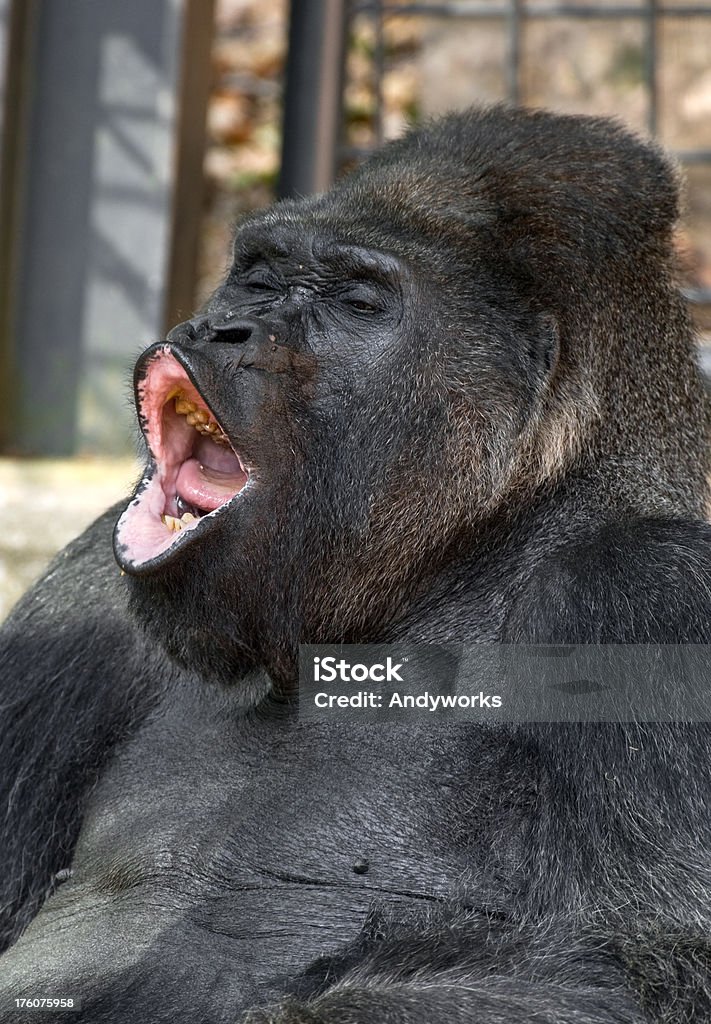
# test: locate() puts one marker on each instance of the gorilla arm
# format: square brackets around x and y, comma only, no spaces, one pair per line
[76,677]
[470,968]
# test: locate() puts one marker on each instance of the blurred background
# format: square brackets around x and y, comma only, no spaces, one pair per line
[133,134]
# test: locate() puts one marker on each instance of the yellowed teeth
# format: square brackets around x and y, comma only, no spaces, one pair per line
[174,524]
[199,418]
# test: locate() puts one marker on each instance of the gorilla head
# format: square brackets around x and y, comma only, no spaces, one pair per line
[467,326]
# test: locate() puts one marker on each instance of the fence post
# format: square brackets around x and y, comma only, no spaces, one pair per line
[313,96]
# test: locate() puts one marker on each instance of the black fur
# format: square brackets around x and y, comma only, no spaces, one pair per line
[499,436]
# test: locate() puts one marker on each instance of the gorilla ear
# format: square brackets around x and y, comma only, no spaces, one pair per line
[543,351]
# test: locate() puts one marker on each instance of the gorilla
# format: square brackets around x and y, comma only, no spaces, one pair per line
[453,400]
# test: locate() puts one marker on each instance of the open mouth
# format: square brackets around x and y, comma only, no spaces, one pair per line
[194,474]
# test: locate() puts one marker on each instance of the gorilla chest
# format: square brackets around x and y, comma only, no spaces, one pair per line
[279,838]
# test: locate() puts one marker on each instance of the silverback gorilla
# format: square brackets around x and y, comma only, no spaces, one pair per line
[452,399]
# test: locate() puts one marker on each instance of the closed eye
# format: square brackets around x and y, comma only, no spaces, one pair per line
[361,306]
[260,285]
[365,298]
[260,278]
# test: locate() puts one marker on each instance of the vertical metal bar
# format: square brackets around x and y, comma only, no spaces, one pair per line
[514,56]
[313,96]
[650,64]
[195,76]
[379,71]
[19,18]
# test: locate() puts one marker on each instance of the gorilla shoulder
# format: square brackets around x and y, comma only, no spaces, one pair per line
[642,580]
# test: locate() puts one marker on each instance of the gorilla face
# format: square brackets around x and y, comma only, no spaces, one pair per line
[258,419]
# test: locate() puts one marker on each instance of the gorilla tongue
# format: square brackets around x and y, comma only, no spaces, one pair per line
[210,477]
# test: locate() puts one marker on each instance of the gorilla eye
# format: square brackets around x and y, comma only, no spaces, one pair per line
[260,281]
[362,300]
[361,306]
[260,285]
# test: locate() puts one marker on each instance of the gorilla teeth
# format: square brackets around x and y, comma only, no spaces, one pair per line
[174,524]
[183,406]
[197,418]
[200,419]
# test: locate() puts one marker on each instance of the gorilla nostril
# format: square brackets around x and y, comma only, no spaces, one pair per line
[237,335]
[240,330]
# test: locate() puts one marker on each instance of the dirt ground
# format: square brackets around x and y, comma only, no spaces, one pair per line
[47,502]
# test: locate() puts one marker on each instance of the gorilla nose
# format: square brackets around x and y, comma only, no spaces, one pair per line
[237,330]
[253,342]
[224,327]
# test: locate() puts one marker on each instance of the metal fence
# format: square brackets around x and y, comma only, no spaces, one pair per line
[312,127]
[516,13]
